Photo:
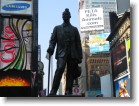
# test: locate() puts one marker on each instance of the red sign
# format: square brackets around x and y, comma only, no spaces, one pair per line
[75,90]
[8,54]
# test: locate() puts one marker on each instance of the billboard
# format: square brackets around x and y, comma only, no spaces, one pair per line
[91,19]
[16,44]
[98,43]
[119,60]
[23,7]
[122,87]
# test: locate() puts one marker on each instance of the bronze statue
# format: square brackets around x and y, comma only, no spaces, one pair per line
[68,51]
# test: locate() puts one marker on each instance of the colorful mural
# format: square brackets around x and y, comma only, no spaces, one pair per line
[16,44]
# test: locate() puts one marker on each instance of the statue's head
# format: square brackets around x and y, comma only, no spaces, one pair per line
[66,14]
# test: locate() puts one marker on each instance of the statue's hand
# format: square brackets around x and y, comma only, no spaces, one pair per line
[50,51]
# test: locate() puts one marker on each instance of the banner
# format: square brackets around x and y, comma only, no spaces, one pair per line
[122,87]
[91,19]
[98,43]
[119,60]
[16,44]
[23,7]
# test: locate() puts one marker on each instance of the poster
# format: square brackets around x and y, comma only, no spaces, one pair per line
[23,7]
[122,87]
[119,60]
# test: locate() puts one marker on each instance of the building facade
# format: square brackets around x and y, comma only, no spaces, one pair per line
[120,56]
[99,66]
[92,64]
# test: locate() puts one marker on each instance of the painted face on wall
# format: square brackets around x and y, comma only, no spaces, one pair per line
[27,35]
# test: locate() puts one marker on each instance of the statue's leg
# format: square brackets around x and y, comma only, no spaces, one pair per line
[61,63]
[70,75]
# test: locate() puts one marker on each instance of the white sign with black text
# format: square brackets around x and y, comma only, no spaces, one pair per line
[91,19]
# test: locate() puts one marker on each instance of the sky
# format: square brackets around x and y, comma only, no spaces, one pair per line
[50,15]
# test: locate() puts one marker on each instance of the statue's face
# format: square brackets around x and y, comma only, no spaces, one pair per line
[66,16]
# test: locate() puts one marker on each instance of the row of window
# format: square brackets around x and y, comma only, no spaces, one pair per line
[103,2]
[99,61]
[100,73]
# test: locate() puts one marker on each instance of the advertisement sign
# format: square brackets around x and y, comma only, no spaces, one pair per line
[16,7]
[122,87]
[91,19]
[16,44]
[98,43]
[119,60]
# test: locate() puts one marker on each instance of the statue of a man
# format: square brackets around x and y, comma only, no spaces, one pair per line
[68,51]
